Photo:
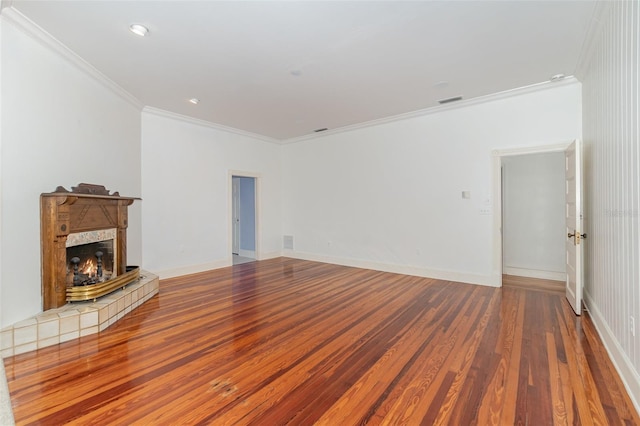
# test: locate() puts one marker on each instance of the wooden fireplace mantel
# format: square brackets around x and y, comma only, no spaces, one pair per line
[86,208]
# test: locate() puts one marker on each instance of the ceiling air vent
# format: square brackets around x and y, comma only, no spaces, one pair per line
[320,130]
[446,101]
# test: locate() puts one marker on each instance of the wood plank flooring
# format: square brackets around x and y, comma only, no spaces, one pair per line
[288,341]
[533,283]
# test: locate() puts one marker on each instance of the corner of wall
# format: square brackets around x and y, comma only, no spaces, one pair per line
[1,180]
[6,414]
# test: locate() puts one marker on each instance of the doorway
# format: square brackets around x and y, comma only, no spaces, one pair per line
[529,220]
[533,217]
[243,219]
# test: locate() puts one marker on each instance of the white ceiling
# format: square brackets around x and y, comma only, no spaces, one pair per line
[282,69]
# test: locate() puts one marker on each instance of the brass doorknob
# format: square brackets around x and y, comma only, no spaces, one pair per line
[573,235]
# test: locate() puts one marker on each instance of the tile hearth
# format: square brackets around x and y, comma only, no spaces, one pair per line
[77,319]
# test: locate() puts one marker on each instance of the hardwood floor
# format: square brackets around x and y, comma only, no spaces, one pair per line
[533,283]
[290,341]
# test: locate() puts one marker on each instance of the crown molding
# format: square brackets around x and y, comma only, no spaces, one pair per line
[5,3]
[14,17]
[600,14]
[538,87]
[198,122]
[17,19]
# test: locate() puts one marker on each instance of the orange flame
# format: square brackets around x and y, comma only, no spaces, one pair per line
[88,267]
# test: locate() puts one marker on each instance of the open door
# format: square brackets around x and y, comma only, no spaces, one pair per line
[573,214]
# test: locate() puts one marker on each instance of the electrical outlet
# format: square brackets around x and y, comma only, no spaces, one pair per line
[632,326]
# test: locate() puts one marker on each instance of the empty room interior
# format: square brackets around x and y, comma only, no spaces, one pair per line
[319,212]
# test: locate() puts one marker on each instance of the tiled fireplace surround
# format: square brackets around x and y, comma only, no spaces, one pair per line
[77,319]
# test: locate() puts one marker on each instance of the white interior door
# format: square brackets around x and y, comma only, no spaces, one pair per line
[573,216]
[235,213]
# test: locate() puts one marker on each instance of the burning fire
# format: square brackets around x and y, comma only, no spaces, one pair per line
[89,267]
[90,270]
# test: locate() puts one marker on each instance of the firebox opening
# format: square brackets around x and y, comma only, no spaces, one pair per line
[90,263]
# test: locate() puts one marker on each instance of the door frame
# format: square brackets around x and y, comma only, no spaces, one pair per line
[497,156]
[256,177]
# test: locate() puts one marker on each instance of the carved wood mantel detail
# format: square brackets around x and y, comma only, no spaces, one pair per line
[86,208]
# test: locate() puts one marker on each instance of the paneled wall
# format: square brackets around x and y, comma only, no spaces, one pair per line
[612,163]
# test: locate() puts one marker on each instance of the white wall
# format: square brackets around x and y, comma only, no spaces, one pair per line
[186,185]
[389,197]
[611,84]
[533,218]
[63,127]
[2,24]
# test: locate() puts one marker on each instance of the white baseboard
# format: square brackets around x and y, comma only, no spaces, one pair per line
[194,269]
[269,255]
[216,264]
[621,362]
[486,280]
[534,273]
[247,253]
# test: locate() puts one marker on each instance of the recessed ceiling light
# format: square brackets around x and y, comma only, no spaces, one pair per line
[139,29]
[194,101]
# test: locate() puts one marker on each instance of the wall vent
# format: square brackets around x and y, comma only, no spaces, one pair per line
[287,242]
[446,101]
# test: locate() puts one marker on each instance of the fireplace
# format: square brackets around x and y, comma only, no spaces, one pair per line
[84,244]
[90,257]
